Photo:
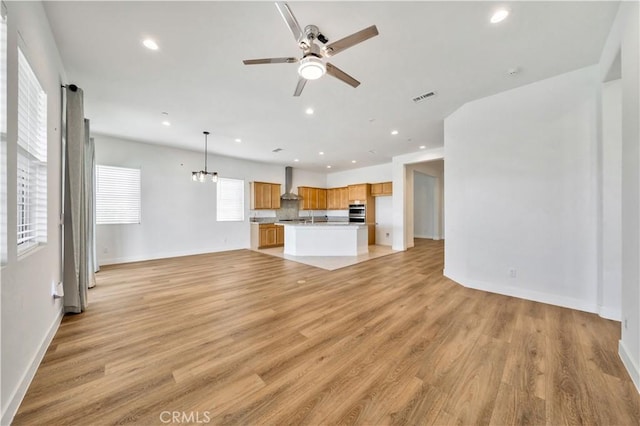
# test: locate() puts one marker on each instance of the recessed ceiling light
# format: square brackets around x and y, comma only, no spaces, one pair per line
[166,123]
[353,161]
[309,111]
[499,16]
[150,44]
[321,153]
[238,140]
[328,167]
[422,147]
[394,132]
[296,160]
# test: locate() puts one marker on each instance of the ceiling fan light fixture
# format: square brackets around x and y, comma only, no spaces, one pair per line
[311,68]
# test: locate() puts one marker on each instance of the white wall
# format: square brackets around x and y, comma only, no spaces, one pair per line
[520,191]
[384,210]
[402,167]
[178,215]
[30,315]
[424,217]
[434,169]
[609,296]
[624,36]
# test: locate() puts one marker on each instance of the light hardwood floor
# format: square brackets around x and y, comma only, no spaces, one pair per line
[243,338]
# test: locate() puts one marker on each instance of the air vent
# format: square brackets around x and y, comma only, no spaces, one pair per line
[423,97]
[277,150]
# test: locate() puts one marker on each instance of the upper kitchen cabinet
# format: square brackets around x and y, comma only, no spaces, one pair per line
[381,189]
[265,195]
[312,198]
[358,194]
[338,198]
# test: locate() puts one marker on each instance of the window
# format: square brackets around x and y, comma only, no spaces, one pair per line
[32,158]
[230,206]
[117,195]
[3,133]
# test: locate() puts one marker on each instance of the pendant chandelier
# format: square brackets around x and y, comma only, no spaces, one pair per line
[204,175]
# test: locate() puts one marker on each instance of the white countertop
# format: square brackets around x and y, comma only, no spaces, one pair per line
[321,225]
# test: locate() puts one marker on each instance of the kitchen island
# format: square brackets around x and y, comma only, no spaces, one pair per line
[325,239]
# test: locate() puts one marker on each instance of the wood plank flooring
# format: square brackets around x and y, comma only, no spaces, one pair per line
[243,338]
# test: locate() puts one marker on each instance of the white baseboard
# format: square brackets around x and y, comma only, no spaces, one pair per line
[632,368]
[430,237]
[610,313]
[18,395]
[523,293]
[162,255]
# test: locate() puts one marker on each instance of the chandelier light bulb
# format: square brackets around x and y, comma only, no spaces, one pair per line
[203,175]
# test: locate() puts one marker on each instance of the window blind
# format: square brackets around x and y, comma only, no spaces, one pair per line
[117,195]
[32,158]
[230,205]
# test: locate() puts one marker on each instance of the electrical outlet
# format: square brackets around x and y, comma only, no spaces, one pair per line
[626,324]
[105,250]
[513,272]
[387,234]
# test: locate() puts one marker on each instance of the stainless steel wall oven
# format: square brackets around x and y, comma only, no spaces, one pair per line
[357,213]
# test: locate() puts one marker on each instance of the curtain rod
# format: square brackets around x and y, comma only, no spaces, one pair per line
[71,87]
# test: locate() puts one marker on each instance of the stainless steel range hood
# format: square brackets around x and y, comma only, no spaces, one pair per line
[288,182]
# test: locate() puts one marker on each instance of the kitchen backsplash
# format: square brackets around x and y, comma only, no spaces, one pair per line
[288,209]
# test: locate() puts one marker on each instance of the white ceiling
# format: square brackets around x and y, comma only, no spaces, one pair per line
[198,76]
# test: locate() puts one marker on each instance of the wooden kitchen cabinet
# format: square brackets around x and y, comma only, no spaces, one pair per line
[321,198]
[372,234]
[312,198]
[271,235]
[333,198]
[359,193]
[344,198]
[279,235]
[381,189]
[265,195]
[338,198]
[304,192]
[275,196]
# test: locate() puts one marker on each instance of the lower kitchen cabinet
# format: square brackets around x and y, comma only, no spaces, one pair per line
[270,235]
[279,235]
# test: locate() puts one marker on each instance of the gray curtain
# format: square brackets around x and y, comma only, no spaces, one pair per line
[89,171]
[78,213]
[92,206]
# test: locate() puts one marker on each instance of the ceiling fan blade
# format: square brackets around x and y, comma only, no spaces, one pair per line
[289,19]
[270,61]
[349,41]
[300,86]
[336,72]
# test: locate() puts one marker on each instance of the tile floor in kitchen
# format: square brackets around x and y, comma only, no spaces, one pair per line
[331,263]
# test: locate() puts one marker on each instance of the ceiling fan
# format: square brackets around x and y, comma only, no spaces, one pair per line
[311,65]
